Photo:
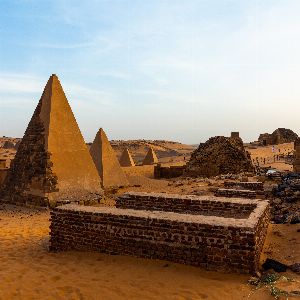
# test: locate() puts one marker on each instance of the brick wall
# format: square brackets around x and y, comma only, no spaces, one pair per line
[168,172]
[254,186]
[188,204]
[235,193]
[214,243]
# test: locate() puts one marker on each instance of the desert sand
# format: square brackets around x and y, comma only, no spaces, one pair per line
[268,152]
[30,271]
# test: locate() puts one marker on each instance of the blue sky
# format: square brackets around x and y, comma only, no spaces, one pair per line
[181,70]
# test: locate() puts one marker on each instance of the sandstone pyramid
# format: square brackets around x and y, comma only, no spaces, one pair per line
[106,162]
[126,159]
[150,158]
[52,162]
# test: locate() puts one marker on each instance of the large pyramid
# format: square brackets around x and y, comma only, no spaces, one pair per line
[52,162]
[126,159]
[106,162]
[150,158]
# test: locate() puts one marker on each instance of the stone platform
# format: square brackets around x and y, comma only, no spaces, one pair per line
[235,193]
[248,185]
[209,241]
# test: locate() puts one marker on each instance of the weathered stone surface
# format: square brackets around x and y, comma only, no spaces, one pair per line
[296,163]
[52,161]
[8,145]
[126,159]
[168,172]
[187,204]
[150,158]
[279,136]
[106,162]
[235,193]
[248,185]
[219,155]
[212,242]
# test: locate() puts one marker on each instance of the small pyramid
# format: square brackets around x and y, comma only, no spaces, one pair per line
[150,158]
[106,162]
[52,161]
[126,159]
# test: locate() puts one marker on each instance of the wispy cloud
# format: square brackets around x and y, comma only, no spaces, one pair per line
[215,65]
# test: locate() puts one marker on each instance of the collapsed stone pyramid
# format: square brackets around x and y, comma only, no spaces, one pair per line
[150,158]
[126,159]
[52,162]
[219,155]
[106,162]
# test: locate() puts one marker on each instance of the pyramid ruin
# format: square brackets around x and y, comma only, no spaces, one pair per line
[52,163]
[126,159]
[296,163]
[219,155]
[279,136]
[150,158]
[106,162]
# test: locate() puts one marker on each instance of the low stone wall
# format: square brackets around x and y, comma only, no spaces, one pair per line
[253,186]
[168,172]
[235,193]
[211,242]
[187,204]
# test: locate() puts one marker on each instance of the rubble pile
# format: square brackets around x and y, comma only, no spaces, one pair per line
[285,207]
[219,155]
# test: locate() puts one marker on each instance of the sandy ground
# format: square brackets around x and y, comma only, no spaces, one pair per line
[29,271]
[266,154]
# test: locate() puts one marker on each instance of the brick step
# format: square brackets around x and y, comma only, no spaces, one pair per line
[235,193]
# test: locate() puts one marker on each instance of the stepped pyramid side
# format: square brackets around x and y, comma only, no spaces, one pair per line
[52,162]
[126,159]
[150,158]
[106,162]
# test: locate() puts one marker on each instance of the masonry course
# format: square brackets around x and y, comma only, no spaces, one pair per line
[186,204]
[235,193]
[249,185]
[212,242]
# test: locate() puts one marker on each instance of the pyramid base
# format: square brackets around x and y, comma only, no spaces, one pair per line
[51,200]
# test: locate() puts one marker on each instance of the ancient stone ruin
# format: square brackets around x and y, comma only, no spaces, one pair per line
[213,233]
[279,136]
[126,159]
[247,185]
[52,161]
[106,162]
[235,135]
[8,145]
[3,171]
[168,171]
[150,158]
[219,155]
[296,163]
[236,193]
